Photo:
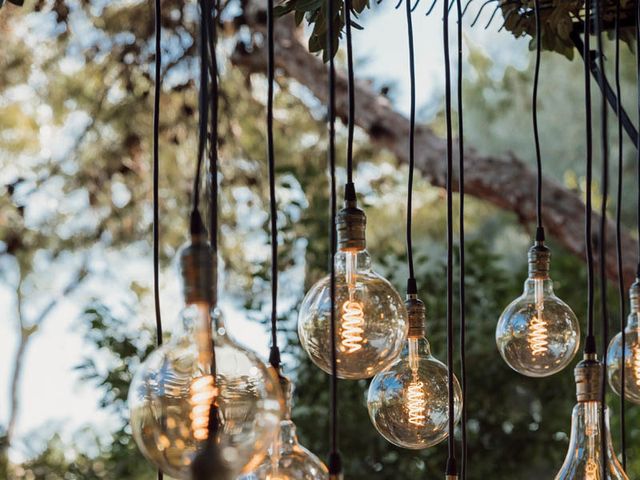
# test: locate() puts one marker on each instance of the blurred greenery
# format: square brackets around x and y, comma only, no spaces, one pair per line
[75,123]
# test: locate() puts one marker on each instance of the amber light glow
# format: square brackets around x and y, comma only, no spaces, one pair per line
[416,403]
[202,393]
[538,336]
[352,320]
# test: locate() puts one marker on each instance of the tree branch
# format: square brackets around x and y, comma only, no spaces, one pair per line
[506,181]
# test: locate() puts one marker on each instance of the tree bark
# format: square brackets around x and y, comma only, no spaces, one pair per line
[505,181]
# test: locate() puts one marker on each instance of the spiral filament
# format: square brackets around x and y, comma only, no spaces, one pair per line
[352,322]
[538,336]
[636,363]
[202,392]
[416,403]
[591,470]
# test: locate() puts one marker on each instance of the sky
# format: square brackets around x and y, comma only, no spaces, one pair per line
[51,393]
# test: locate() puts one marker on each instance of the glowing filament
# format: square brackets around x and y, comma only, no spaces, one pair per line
[416,403]
[352,322]
[636,363]
[538,336]
[202,393]
[591,470]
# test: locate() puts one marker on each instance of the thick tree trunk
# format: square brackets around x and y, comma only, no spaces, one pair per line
[506,182]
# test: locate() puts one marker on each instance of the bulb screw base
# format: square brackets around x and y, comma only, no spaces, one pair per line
[196,265]
[351,223]
[539,259]
[588,375]
[416,312]
[287,393]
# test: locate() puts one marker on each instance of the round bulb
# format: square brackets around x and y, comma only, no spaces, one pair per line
[172,392]
[288,460]
[538,334]
[408,402]
[631,354]
[371,320]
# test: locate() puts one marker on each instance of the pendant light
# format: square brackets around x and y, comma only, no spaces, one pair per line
[202,392]
[372,319]
[538,334]
[408,400]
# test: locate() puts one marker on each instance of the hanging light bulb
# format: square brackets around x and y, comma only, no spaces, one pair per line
[371,317]
[538,334]
[288,460]
[408,401]
[584,458]
[631,353]
[188,393]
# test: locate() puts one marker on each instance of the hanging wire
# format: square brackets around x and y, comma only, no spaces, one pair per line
[351,92]
[536,135]
[274,356]
[621,305]
[156,171]
[452,469]
[213,143]
[461,250]
[602,243]
[590,343]
[335,466]
[411,282]
[638,131]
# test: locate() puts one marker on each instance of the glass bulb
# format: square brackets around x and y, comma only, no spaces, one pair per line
[288,460]
[538,334]
[631,353]
[371,320]
[408,402]
[171,395]
[584,458]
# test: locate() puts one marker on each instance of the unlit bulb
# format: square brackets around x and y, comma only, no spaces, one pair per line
[538,334]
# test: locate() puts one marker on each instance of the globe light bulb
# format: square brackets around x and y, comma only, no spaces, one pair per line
[538,334]
[371,320]
[408,402]
[288,460]
[193,393]
[584,458]
[631,355]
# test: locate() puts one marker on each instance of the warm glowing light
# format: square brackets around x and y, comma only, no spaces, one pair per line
[352,323]
[636,363]
[416,403]
[202,393]
[538,336]
[591,470]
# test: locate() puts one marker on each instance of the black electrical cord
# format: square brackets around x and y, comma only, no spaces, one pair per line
[335,464]
[590,343]
[638,131]
[351,92]
[602,243]
[461,253]
[274,356]
[156,171]
[452,468]
[213,143]
[412,287]
[536,135]
[621,303]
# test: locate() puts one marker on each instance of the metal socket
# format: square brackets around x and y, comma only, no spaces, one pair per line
[539,260]
[588,375]
[197,265]
[351,224]
[417,313]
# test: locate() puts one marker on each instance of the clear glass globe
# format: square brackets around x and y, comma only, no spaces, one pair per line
[408,402]
[538,334]
[172,390]
[631,358]
[288,460]
[371,319]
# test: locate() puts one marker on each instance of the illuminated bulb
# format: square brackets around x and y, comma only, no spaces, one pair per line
[584,458]
[371,320]
[408,402]
[538,334]
[288,460]
[182,383]
[631,352]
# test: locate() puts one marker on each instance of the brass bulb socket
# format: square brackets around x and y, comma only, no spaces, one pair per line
[539,260]
[336,476]
[351,224]
[197,268]
[417,313]
[451,477]
[634,296]
[588,375]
